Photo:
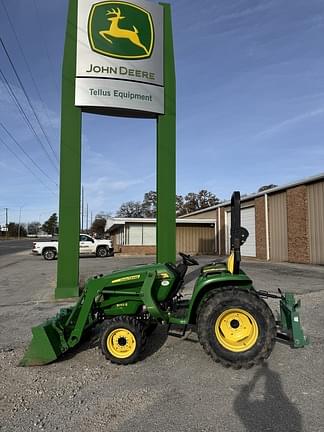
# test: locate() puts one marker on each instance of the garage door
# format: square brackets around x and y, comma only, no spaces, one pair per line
[248,222]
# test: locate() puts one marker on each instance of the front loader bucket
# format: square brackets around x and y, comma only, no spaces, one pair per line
[48,341]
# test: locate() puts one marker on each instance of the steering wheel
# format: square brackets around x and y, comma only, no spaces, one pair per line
[187,259]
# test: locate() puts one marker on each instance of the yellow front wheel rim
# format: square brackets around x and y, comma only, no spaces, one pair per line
[121,343]
[236,330]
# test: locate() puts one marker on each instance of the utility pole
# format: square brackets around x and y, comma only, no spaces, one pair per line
[6,222]
[19,223]
[87,217]
[82,208]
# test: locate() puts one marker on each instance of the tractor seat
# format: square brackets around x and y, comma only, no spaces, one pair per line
[214,267]
[179,273]
[230,263]
[219,267]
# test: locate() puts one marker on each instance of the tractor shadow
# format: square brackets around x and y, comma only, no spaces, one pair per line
[271,410]
[155,341]
[91,339]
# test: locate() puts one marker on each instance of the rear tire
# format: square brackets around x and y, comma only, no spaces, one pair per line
[102,252]
[123,340]
[49,254]
[236,327]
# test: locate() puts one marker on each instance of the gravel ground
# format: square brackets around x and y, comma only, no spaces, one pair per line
[176,386]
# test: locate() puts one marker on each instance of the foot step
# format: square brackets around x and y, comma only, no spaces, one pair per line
[178,332]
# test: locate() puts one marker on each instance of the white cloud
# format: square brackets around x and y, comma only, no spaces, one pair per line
[243,13]
[229,16]
[107,194]
[291,121]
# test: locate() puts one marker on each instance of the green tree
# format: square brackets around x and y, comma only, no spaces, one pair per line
[266,187]
[198,201]
[180,210]
[98,226]
[51,226]
[131,209]
[148,207]
[13,230]
[149,204]
[34,227]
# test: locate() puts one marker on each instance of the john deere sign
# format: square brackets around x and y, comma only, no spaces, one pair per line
[135,38]
[118,60]
[119,56]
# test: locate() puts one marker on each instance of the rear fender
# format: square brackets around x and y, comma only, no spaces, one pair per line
[203,289]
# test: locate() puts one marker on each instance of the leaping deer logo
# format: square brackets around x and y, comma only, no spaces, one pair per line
[115,31]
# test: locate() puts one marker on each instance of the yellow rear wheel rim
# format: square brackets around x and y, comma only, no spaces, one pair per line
[121,343]
[236,330]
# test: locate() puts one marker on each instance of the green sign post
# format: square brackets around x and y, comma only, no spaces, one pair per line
[99,77]
[70,169]
[166,153]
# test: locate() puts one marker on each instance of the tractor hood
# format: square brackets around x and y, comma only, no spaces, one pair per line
[138,273]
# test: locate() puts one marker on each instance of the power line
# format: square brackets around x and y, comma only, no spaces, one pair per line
[26,95]
[40,23]
[23,150]
[25,165]
[22,112]
[26,62]
[22,161]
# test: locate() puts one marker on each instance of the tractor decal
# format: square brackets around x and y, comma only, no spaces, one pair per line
[126,279]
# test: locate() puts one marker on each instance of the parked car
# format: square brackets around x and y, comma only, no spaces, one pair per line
[88,246]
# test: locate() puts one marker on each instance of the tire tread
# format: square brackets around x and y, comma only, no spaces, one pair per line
[135,326]
[223,295]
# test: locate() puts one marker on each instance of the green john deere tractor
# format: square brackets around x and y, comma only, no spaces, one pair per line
[235,325]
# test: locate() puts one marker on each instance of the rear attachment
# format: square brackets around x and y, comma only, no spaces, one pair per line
[288,326]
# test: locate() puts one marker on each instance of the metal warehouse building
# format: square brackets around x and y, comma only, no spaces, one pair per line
[137,235]
[285,223]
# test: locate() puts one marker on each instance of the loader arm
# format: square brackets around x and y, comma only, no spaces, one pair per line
[63,332]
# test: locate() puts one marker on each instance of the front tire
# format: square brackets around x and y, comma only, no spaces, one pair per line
[236,327]
[122,340]
[102,252]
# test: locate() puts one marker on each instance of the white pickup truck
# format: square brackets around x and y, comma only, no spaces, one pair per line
[88,246]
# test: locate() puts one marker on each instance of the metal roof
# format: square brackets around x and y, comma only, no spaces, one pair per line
[258,194]
[114,222]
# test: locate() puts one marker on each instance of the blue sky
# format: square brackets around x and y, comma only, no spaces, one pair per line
[250,106]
